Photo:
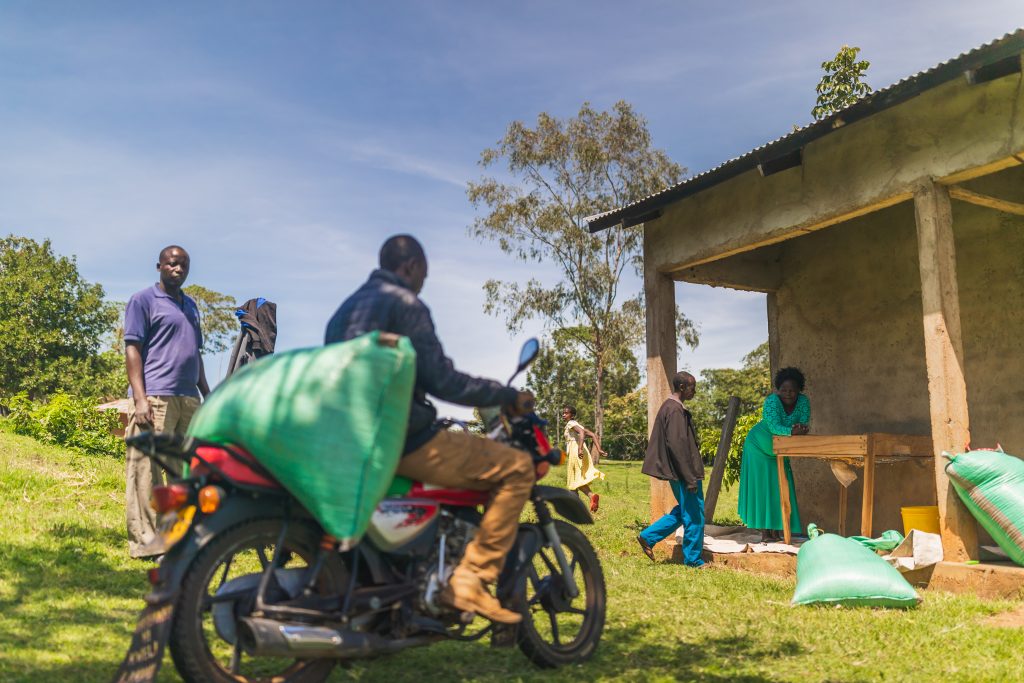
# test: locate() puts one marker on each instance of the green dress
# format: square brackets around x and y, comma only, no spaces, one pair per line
[759,473]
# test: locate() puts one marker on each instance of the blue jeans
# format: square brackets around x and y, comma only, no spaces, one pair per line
[689,514]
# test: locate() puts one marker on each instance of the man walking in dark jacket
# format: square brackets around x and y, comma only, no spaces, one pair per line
[673,455]
[389,302]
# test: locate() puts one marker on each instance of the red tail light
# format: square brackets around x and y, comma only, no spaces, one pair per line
[167,498]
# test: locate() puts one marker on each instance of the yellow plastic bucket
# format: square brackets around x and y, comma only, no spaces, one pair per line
[920,517]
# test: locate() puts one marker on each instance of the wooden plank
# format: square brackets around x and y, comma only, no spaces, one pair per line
[826,446]
[842,510]
[867,509]
[979,171]
[944,353]
[965,195]
[820,445]
[910,445]
[721,455]
[784,498]
[660,295]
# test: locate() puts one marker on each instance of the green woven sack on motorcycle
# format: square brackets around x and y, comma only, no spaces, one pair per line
[832,570]
[329,423]
[991,485]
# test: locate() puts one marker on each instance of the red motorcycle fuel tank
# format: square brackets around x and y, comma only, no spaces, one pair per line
[398,523]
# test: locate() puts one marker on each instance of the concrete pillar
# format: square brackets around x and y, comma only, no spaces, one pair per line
[660,294]
[944,355]
[774,341]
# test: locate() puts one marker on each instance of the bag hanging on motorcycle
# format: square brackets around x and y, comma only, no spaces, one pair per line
[329,423]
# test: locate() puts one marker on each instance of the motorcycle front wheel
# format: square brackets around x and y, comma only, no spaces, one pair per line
[558,630]
[221,585]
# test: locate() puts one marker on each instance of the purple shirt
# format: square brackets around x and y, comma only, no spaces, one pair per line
[170,338]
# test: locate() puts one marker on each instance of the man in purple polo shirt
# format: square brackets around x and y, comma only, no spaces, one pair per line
[165,372]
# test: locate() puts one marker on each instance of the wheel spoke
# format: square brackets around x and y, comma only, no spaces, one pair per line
[224,574]
[576,610]
[551,567]
[554,627]
[534,577]
[262,554]
[236,656]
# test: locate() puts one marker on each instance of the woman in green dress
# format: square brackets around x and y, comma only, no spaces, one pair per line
[786,412]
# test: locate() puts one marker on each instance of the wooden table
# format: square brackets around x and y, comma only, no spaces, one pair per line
[859,450]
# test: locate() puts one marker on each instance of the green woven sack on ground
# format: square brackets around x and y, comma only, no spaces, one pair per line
[832,570]
[329,423]
[991,485]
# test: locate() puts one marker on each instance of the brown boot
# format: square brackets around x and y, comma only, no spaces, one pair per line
[466,592]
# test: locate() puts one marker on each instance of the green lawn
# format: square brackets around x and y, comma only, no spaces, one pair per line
[69,596]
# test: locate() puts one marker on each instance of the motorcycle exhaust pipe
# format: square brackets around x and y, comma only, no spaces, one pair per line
[262,637]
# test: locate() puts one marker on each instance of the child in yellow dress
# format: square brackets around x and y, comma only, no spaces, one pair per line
[580,467]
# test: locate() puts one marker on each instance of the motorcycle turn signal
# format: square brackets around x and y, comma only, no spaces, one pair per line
[210,498]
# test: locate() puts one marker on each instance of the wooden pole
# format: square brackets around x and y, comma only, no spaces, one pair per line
[721,456]
[660,295]
[842,509]
[867,509]
[944,354]
[784,506]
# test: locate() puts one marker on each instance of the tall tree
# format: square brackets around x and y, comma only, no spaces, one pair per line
[216,317]
[841,85]
[751,383]
[561,375]
[53,322]
[561,172]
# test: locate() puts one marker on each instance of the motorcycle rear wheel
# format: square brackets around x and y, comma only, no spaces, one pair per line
[550,616]
[201,653]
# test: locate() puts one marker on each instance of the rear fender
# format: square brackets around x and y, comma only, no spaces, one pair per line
[234,510]
[565,503]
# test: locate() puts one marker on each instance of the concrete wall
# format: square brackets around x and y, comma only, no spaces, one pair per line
[943,133]
[990,272]
[849,316]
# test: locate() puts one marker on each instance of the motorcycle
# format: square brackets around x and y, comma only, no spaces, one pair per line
[250,588]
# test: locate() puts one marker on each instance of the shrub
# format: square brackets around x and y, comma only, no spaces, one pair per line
[67,421]
[709,445]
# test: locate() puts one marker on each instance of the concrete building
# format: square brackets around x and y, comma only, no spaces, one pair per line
[889,239]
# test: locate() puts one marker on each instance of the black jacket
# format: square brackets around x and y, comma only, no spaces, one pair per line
[673,452]
[386,303]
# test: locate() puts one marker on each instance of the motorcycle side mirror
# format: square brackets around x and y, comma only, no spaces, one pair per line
[526,356]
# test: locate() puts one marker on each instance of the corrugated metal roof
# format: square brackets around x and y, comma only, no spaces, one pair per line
[1008,46]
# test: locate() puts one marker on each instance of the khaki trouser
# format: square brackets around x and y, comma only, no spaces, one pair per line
[170,414]
[466,461]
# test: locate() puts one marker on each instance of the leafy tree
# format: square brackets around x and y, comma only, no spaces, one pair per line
[561,172]
[216,317]
[561,375]
[625,421]
[751,384]
[841,85]
[53,322]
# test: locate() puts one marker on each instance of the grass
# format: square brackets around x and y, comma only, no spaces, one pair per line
[69,596]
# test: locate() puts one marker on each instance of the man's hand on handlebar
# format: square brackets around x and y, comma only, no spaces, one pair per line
[525,403]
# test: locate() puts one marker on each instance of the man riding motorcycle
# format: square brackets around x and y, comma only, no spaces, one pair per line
[388,302]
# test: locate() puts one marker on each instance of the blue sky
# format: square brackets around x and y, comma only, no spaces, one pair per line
[280,143]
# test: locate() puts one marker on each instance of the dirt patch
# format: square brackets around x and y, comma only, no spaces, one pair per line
[1012,619]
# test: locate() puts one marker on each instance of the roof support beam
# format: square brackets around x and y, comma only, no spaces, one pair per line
[965,195]
[944,359]
[660,295]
